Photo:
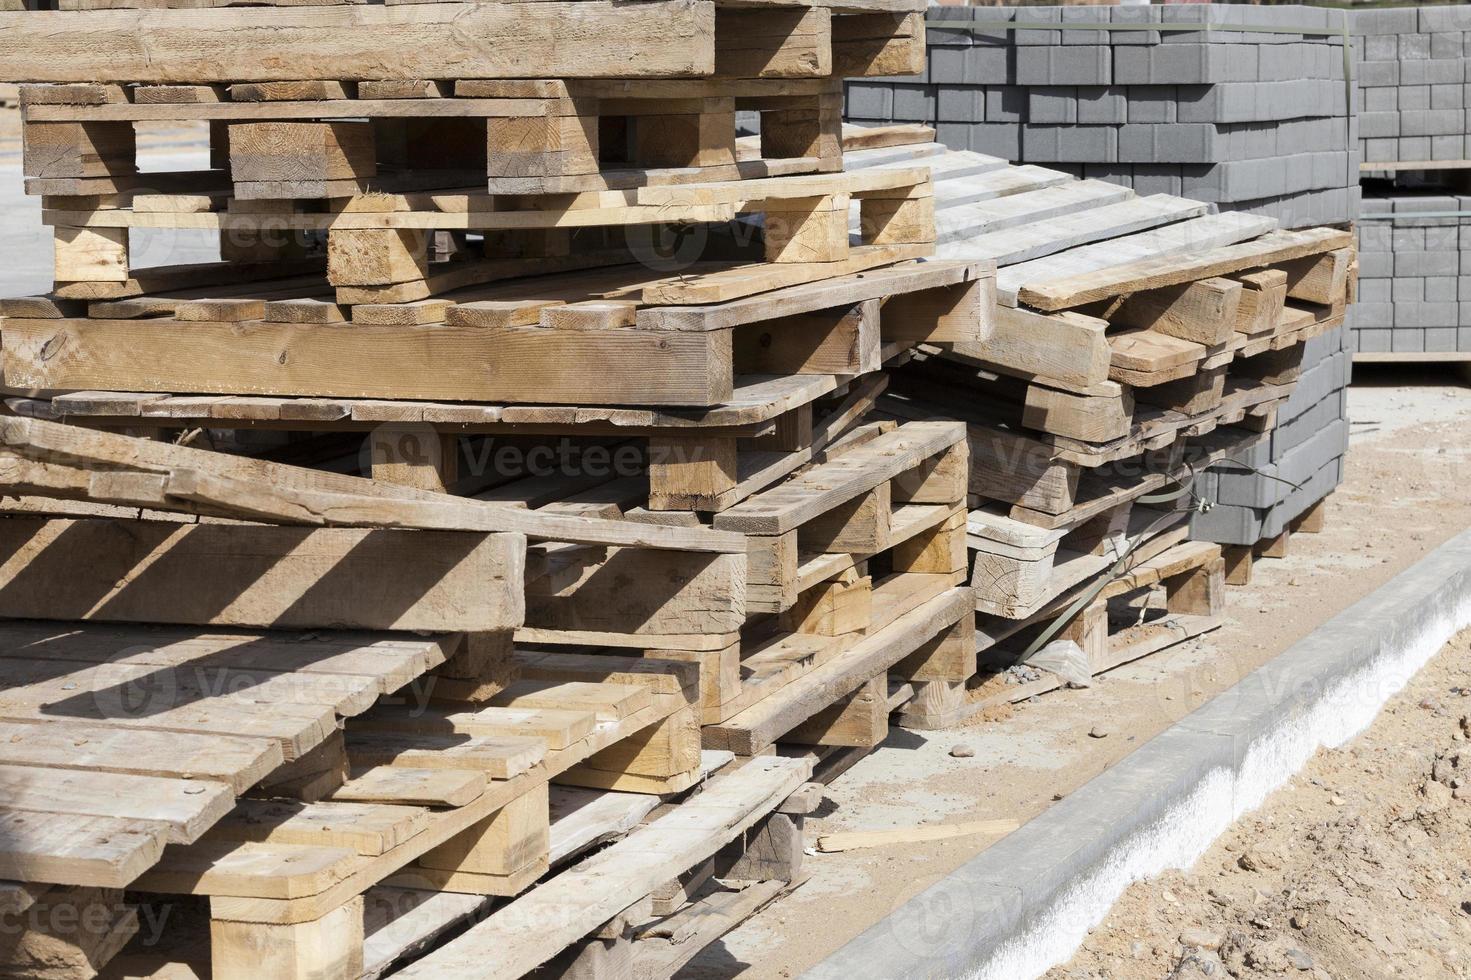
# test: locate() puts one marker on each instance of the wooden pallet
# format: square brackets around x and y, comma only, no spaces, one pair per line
[95,468]
[494,345]
[1022,559]
[622,465]
[1115,628]
[436,41]
[289,877]
[383,248]
[744,823]
[845,701]
[1048,480]
[869,528]
[1155,379]
[1123,323]
[123,739]
[305,140]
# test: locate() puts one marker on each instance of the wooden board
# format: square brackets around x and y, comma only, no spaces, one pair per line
[242,486]
[548,40]
[261,576]
[768,719]
[535,928]
[1198,262]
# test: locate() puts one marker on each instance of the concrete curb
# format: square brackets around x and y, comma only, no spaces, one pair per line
[1025,904]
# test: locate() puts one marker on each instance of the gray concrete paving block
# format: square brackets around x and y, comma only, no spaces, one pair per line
[1053,105]
[1440,339]
[1099,105]
[1407,339]
[955,103]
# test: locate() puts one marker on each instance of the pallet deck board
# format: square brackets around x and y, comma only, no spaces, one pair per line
[585,39]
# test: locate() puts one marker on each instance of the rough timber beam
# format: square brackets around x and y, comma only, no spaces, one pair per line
[592,39]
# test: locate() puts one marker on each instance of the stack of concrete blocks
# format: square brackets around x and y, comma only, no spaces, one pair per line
[1414,275]
[1300,462]
[1179,99]
[1413,82]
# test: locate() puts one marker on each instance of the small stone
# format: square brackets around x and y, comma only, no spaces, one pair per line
[1299,959]
[962,751]
[1169,896]
[1337,800]
[1098,731]
[1200,939]
[1258,859]
[1430,704]
[1438,796]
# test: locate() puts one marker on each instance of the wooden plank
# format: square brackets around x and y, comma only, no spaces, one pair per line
[768,719]
[1144,351]
[427,362]
[1024,243]
[836,285]
[1199,262]
[663,948]
[245,483]
[258,576]
[581,818]
[367,828]
[69,849]
[1107,261]
[186,807]
[498,758]
[854,839]
[554,40]
[823,487]
[123,687]
[400,784]
[91,747]
[389,661]
[557,728]
[534,928]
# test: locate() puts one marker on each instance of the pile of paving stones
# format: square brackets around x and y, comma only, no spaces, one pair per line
[1244,106]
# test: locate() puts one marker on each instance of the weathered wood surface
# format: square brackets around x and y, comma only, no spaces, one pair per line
[493,40]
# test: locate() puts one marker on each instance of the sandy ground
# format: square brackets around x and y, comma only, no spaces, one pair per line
[1408,470]
[1356,869]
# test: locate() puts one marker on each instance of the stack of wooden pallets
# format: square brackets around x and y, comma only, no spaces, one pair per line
[545,465]
[1138,340]
[520,364]
[333,714]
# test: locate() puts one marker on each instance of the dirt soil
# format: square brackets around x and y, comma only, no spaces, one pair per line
[1359,868]
[1407,474]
